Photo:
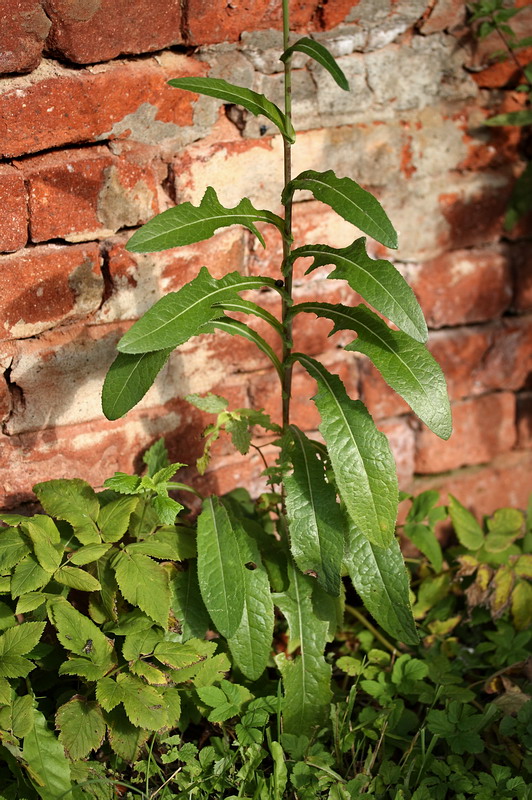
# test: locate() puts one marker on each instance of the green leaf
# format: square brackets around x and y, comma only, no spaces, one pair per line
[78,634]
[141,643]
[178,656]
[29,602]
[81,727]
[143,704]
[362,462]
[77,579]
[13,548]
[307,676]
[185,224]
[88,554]
[236,328]
[240,434]
[15,643]
[247,307]
[46,541]
[83,668]
[19,716]
[320,54]
[377,281]
[28,576]
[72,500]
[251,643]
[123,483]
[238,95]
[166,509]
[349,200]
[178,316]
[125,739]
[405,364]
[466,527]
[522,117]
[114,518]
[520,202]
[379,576]
[171,543]
[144,583]
[211,403]
[424,538]
[187,603]
[220,571]
[46,758]
[108,693]
[314,517]
[128,379]
[156,457]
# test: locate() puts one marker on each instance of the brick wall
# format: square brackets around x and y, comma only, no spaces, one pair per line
[93,143]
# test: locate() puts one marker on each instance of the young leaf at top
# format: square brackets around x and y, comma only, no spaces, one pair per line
[379,576]
[377,281]
[238,95]
[178,316]
[320,54]
[349,200]
[129,378]
[220,570]
[405,364]
[363,465]
[186,224]
[314,517]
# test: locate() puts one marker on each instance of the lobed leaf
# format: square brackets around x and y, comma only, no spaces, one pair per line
[379,576]
[185,224]
[314,517]
[238,95]
[320,54]
[349,200]
[376,280]
[129,378]
[362,462]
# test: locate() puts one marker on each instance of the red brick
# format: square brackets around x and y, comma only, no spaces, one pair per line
[443,15]
[86,32]
[380,400]
[14,219]
[483,427]
[524,420]
[22,33]
[80,194]
[208,23]
[5,399]
[56,106]
[503,482]
[402,440]
[44,286]
[463,286]
[474,219]
[522,301]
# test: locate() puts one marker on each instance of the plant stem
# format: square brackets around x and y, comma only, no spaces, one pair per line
[286,384]
[367,624]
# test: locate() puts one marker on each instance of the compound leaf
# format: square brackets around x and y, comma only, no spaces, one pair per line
[114,518]
[77,579]
[78,634]
[361,458]
[73,500]
[28,576]
[320,54]
[15,643]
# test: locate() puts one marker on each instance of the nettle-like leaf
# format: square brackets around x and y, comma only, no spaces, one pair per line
[349,200]
[307,676]
[405,364]
[128,379]
[28,576]
[363,465]
[78,634]
[46,541]
[185,224]
[376,280]
[238,95]
[114,517]
[15,643]
[125,738]
[220,570]
[72,500]
[210,403]
[144,583]
[314,517]
[81,727]
[13,548]
[143,704]
[178,316]
[320,54]
[380,577]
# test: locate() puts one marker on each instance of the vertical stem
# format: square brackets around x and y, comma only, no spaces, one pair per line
[287,238]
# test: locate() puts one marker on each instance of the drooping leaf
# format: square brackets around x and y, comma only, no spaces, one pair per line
[314,517]
[142,703]
[129,378]
[320,54]
[522,605]
[185,224]
[251,643]
[376,280]
[379,576]
[220,571]
[77,579]
[307,676]
[362,462]
[237,328]
[81,727]
[238,95]
[349,200]
[144,583]
[187,603]
[13,548]
[466,527]
[49,766]
[28,576]
[114,517]
[147,671]
[73,500]
[247,307]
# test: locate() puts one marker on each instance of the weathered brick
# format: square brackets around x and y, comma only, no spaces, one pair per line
[462,286]
[5,399]
[56,105]
[483,427]
[22,33]
[522,301]
[524,420]
[380,400]
[443,15]
[85,193]
[402,440]
[44,286]
[503,482]
[86,32]
[14,219]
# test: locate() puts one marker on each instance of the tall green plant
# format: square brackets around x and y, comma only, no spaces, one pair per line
[336,511]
